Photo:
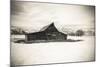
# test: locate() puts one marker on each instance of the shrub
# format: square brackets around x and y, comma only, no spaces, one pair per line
[79,33]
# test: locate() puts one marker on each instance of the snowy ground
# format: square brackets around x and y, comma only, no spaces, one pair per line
[53,52]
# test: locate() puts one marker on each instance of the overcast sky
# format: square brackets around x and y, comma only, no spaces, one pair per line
[32,15]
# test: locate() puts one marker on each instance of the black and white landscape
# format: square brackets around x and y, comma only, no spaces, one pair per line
[46,33]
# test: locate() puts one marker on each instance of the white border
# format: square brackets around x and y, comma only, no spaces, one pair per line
[4,33]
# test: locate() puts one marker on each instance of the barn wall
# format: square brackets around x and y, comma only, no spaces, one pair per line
[55,36]
[52,36]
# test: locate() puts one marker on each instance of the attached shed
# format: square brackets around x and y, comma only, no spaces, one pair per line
[47,33]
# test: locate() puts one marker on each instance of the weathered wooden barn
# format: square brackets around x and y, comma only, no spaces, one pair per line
[47,33]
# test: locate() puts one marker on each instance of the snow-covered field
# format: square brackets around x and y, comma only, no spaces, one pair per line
[53,52]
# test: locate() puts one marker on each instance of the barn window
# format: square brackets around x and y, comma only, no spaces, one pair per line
[53,34]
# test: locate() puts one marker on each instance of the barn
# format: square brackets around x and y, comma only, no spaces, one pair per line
[47,33]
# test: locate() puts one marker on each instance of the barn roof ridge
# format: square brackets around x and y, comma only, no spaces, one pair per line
[47,26]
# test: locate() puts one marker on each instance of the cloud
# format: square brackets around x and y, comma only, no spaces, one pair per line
[31,15]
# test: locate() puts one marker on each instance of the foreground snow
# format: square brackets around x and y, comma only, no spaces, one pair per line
[53,52]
